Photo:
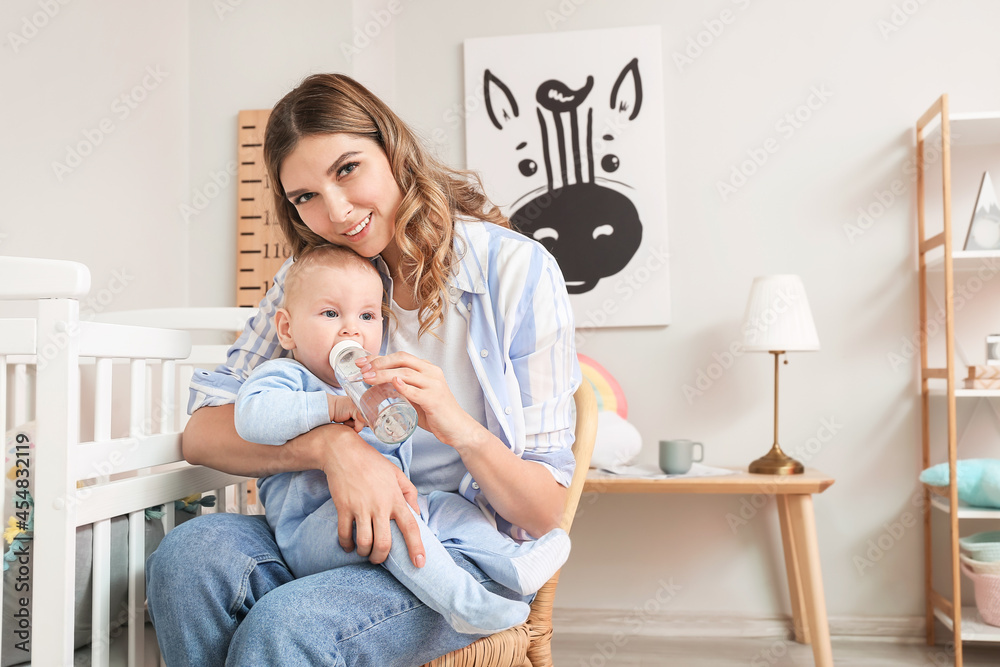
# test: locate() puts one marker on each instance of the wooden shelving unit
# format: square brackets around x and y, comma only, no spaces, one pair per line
[955,130]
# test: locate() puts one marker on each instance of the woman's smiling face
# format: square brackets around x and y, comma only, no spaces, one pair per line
[344,191]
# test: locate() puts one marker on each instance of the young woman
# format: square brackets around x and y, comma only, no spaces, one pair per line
[491,370]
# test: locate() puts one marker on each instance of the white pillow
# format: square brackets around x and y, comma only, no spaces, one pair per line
[618,442]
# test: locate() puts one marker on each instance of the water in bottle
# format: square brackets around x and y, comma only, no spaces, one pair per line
[390,416]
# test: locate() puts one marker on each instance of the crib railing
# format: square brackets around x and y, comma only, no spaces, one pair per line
[78,481]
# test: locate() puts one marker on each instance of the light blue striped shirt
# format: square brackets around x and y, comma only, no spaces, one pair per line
[520,342]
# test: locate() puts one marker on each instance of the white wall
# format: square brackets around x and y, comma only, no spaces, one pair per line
[102,91]
[121,209]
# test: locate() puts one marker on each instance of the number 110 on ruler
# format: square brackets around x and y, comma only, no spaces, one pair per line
[261,247]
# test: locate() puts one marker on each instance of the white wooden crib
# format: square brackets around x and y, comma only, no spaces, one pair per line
[129,385]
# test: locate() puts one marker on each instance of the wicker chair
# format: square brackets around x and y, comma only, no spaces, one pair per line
[529,644]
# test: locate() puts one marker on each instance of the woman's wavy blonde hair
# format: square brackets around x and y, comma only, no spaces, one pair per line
[432,193]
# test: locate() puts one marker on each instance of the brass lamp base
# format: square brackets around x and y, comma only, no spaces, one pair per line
[776,462]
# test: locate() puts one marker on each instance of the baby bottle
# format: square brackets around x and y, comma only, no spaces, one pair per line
[390,416]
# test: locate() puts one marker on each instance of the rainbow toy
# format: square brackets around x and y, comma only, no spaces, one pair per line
[610,396]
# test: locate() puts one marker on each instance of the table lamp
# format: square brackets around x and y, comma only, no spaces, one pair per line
[778,320]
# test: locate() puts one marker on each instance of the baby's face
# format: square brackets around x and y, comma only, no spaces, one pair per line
[331,305]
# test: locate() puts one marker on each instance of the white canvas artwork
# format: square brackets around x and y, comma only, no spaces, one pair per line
[984,229]
[567,131]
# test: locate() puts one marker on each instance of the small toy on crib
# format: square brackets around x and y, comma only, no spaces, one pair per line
[17,532]
[189,504]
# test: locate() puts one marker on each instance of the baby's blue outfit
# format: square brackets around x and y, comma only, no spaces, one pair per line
[280,400]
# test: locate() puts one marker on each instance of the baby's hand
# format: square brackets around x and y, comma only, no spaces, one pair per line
[343,411]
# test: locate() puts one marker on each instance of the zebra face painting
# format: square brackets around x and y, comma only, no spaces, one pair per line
[580,214]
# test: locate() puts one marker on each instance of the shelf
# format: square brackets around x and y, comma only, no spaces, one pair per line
[965,260]
[964,511]
[971,129]
[973,627]
[966,393]
[973,135]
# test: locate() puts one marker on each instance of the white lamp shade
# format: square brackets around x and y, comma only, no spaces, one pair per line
[778,316]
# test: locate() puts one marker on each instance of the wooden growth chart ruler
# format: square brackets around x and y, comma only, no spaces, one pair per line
[261,247]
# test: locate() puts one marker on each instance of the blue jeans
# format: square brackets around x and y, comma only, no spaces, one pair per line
[220,594]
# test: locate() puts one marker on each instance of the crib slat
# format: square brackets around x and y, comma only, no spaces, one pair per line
[20,394]
[136,588]
[184,373]
[102,400]
[241,498]
[100,637]
[147,408]
[123,342]
[58,417]
[139,391]
[137,397]
[18,335]
[168,397]
[94,459]
[135,493]
[168,517]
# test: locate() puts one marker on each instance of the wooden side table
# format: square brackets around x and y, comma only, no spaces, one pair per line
[793,494]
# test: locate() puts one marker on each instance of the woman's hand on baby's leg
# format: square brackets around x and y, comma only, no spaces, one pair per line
[369,492]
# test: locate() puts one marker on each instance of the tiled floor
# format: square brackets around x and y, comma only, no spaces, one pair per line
[588,651]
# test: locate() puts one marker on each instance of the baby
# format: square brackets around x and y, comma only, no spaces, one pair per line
[333,294]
